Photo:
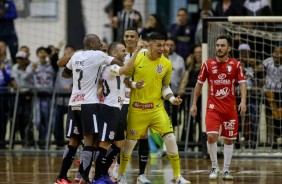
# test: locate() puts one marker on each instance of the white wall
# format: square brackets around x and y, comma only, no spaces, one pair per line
[41,32]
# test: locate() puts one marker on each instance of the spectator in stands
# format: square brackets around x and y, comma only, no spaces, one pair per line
[126,18]
[225,8]
[273,83]
[183,33]
[251,120]
[178,70]
[24,118]
[53,54]
[193,63]
[5,81]
[61,108]
[257,8]
[153,24]
[7,29]
[42,75]
[26,50]
[199,29]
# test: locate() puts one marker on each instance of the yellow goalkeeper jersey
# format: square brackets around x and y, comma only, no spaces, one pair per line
[156,74]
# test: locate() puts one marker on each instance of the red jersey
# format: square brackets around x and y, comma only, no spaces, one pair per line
[222,80]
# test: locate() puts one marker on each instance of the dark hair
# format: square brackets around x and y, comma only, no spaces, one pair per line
[227,38]
[131,29]
[40,49]
[113,46]
[159,23]
[70,46]
[171,40]
[156,36]
[24,47]
[183,9]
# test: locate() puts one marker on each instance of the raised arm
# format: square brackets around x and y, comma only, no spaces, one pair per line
[62,62]
[130,63]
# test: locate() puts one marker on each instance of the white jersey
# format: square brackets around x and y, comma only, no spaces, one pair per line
[85,66]
[113,86]
[127,90]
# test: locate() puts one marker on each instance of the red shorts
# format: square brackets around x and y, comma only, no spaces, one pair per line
[228,121]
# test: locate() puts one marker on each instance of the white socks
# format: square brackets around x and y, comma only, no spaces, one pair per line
[227,155]
[212,149]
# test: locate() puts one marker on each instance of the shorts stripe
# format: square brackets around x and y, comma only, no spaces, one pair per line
[104,132]
[95,123]
[70,127]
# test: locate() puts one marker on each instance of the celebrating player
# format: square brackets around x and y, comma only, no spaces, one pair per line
[146,106]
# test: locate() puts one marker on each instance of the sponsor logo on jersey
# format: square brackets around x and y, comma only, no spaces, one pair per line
[143,105]
[113,71]
[159,68]
[222,93]
[78,97]
[223,81]
[75,130]
[221,76]
[229,125]
[214,71]
[211,106]
[112,135]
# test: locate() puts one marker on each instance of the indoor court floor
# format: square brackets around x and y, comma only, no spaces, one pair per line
[43,168]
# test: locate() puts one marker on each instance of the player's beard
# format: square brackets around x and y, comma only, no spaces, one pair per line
[222,54]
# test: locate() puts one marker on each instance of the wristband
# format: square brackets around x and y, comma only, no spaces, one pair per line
[133,84]
[171,99]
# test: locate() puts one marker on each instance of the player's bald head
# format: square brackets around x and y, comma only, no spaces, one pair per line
[92,41]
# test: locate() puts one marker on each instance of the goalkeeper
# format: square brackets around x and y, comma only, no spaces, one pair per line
[146,107]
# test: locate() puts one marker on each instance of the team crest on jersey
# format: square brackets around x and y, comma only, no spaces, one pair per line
[160,69]
[112,135]
[132,132]
[229,68]
[75,130]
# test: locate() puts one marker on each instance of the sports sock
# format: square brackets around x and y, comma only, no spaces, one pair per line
[227,156]
[212,149]
[143,152]
[125,154]
[86,162]
[175,164]
[111,155]
[172,153]
[68,158]
[100,166]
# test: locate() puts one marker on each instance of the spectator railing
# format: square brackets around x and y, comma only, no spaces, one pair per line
[257,131]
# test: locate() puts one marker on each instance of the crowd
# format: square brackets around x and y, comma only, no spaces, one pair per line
[179,66]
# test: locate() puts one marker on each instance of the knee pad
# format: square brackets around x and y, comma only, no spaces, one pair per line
[129,146]
[170,143]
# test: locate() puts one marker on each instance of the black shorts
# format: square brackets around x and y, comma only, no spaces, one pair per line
[109,123]
[123,112]
[81,120]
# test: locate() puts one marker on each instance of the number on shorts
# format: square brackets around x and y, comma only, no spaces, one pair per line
[230,133]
